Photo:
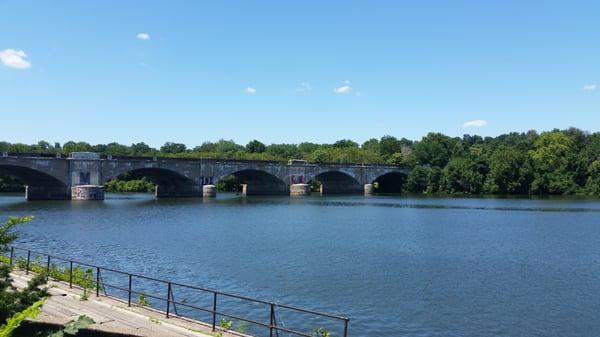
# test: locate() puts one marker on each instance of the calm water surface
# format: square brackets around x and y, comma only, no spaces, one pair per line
[398,266]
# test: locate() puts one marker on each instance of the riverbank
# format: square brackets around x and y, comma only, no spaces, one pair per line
[111,315]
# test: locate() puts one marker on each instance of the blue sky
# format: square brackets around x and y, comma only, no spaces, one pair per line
[283,71]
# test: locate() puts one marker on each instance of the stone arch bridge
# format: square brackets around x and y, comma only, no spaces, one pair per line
[56,177]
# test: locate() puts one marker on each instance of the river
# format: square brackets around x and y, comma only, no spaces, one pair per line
[396,265]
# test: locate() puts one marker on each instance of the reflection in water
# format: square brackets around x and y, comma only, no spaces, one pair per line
[397,265]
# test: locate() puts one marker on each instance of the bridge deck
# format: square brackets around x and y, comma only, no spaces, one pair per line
[112,315]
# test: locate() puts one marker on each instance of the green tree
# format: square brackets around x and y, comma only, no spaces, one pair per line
[435,149]
[13,302]
[417,180]
[345,143]
[388,145]
[592,185]
[173,148]
[435,178]
[227,147]
[462,175]
[117,149]
[372,145]
[552,154]
[284,151]
[255,147]
[138,149]
[510,172]
[71,146]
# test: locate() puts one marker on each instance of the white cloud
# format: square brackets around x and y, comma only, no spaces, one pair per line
[589,87]
[143,36]
[478,123]
[14,59]
[250,90]
[344,89]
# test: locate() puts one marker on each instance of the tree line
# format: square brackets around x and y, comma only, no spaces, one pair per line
[552,162]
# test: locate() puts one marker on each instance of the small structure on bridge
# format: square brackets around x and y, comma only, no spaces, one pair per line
[82,175]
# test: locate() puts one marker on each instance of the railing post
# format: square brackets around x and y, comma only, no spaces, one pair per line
[48,269]
[168,298]
[70,274]
[272,324]
[12,254]
[28,259]
[129,298]
[97,281]
[214,312]
[346,326]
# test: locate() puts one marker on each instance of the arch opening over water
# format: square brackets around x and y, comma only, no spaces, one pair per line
[253,182]
[392,182]
[168,183]
[39,185]
[337,182]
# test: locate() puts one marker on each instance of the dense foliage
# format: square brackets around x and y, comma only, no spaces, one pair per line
[13,302]
[553,162]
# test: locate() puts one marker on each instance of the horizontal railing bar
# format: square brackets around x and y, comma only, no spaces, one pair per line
[113,286]
[242,319]
[192,306]
[149,295]
[342,318]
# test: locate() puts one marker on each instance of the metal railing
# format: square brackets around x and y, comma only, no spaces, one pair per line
[100,288]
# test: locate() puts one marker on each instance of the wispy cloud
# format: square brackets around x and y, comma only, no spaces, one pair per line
[304,87]
[344,88]
[14,59]
[589,87]
[250,90]
[143,36]
[478,123]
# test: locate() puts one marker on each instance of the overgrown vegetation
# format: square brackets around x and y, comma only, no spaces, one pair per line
[18,305]
[132,185]
[142,300]
[224,326]
[321,332]
[554,162]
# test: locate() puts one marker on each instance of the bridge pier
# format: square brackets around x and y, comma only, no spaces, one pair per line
[299,189]
[209,191]
[87,192]
[369,189]
[46,193]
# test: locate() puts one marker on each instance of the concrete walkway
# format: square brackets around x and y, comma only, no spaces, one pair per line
[112,315]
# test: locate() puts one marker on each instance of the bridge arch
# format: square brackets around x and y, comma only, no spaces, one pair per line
[390,182]
[39,184]
[169,183]
[257,182]
[336,182]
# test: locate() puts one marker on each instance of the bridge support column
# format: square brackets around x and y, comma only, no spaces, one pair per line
[87,192]
[46,193]
[209,191]
[299,189]
[369,189]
